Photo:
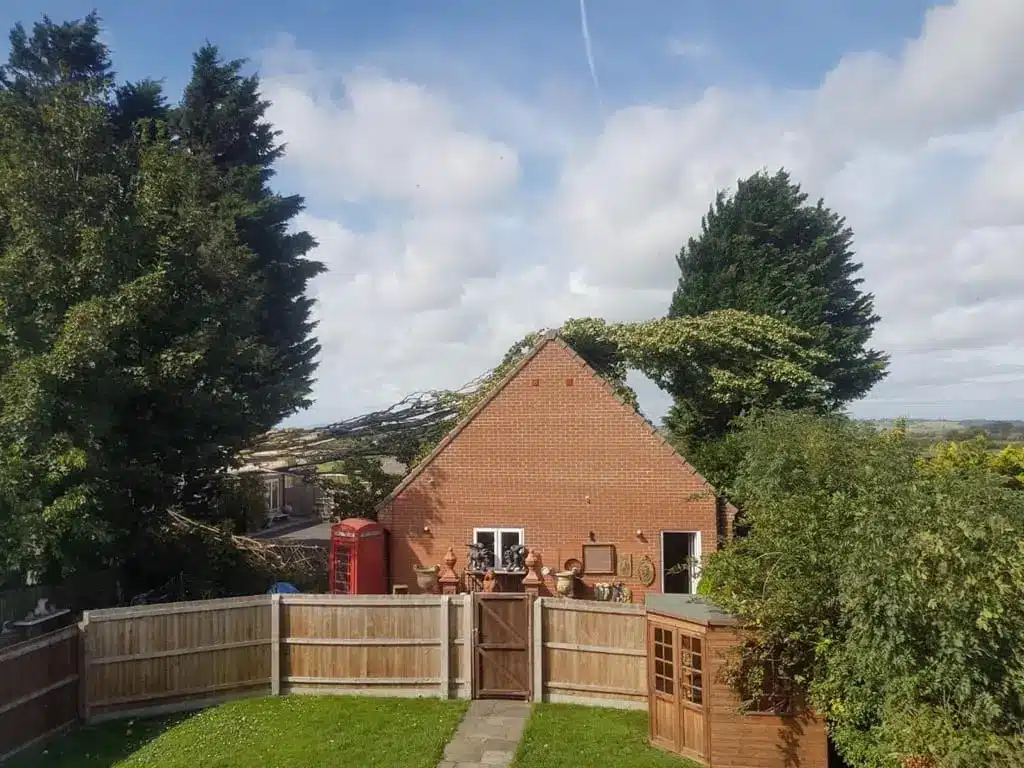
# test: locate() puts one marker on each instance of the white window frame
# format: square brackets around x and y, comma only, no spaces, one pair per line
[499,565]
[696,572]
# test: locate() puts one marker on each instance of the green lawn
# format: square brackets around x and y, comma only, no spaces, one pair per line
[277,732]
[561,735]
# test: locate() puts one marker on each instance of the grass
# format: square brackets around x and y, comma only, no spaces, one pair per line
[278,732]
[560,735]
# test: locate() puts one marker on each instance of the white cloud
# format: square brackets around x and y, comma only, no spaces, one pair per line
[922,152]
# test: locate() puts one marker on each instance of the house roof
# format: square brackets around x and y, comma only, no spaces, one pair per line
[549,337]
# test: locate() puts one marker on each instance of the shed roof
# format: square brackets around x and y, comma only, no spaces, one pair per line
[693,608]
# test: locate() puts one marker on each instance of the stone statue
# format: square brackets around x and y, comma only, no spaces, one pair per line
[480,558]
[515,558]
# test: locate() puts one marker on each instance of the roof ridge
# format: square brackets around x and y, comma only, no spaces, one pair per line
[547,337]
[465,420]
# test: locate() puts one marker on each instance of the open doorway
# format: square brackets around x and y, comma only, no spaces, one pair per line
[680,558]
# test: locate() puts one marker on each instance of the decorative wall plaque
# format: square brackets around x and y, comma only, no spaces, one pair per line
[599,558]
[645,571]
[624,569]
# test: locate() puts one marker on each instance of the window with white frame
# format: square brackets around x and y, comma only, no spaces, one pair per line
[497,542]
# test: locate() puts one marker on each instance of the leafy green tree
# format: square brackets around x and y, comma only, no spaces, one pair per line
[765,251]
[143,340]
[223,116]
[888,594]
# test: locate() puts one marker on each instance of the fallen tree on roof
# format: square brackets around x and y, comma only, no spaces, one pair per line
[728,360]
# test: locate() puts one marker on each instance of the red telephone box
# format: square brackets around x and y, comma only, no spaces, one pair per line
[358,558]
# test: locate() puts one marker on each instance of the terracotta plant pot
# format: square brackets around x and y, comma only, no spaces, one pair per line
[564,583]
[426,577]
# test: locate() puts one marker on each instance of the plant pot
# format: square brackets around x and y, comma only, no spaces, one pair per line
[426,577]
[564,583]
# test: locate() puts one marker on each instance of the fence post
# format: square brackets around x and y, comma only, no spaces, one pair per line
[446,646]
[538,649]
[468,647]
[83,668]
[275,644]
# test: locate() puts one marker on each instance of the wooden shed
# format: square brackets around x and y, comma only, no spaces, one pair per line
[692,710]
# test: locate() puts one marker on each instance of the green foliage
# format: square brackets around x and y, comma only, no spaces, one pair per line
[889,593]
[296,731]
[731,360]
[153,310]
[1007,463]
[765,251]
[559,735]
[365,485]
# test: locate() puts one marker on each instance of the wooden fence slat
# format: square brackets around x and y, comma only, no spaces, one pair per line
[362,680]
[37,693]
[538,649]
[37,643]
[358,642]
[275,645]
[363,601]
[168,609]
[578,648]
[44,697]
[445,640]
[178,652]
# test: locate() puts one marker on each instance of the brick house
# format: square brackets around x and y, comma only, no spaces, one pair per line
[554,460]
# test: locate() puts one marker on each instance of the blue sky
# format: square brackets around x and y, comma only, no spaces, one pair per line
[466,185]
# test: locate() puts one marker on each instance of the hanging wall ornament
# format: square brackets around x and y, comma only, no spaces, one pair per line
[645,571]
[624,567]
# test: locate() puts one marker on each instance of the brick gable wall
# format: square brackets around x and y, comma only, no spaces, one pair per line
[554,453]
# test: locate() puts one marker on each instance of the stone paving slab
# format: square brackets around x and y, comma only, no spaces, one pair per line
[488,735]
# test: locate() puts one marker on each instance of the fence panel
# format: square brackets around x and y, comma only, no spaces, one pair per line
[590,653]
[385,645]
[38,689]
[156,658]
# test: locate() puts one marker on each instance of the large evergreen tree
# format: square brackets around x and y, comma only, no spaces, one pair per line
[765,250]
[223,116]
[152,316]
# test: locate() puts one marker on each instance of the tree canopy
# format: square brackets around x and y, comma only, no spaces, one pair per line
[766,251]
[153,309]
[888,592]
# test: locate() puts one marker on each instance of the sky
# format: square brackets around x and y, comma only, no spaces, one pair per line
[475,170]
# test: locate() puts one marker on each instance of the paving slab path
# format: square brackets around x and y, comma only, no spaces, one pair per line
[488,735]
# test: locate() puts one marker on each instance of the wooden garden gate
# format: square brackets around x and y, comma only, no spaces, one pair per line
[502,625]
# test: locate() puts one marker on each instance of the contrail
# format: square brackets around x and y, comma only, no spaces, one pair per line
[590,53]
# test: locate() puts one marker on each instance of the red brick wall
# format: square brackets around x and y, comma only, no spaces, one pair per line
[555,453]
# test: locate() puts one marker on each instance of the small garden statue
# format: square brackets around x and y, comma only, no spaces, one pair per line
[515,558]
[479,558]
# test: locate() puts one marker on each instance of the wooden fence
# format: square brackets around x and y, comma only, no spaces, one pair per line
[155,659]
[39,689]
[161,658]
[589,653]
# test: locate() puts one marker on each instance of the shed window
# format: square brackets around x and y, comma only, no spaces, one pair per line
[691,668]
[497,542]
[664,665]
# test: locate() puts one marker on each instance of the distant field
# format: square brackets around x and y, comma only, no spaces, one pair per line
[926,431]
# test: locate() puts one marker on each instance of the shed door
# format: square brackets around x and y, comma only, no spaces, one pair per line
[662,700]
[693,735]
[676,701]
